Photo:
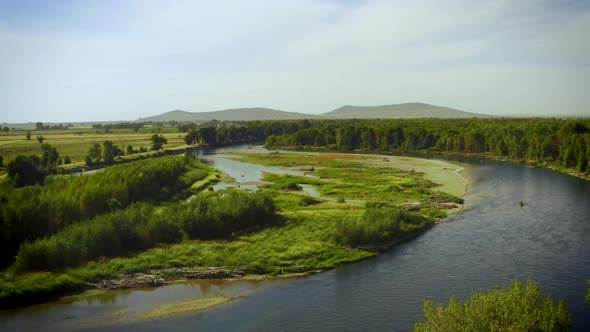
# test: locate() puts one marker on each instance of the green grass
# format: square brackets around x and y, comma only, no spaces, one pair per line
[313,233]
[352,180]
[303,243]
[76,143]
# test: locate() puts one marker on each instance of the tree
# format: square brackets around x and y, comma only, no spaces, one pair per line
[49,158]
[28,135]
[88,161]
[40,139]
[192,137]
[1,161]
[129,149]
[67,160]
[26,170]
[94,154]
[39,126]
[5,129]
[142,149]
[109,152]
[158,141]
[516,308]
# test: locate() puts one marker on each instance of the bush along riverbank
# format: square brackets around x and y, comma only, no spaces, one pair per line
[365,205]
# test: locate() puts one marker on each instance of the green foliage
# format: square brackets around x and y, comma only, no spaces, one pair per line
[208,215]
[516,308]
[107,235]
[213,215]
[28,135]
[94,154]
[34,211]
[379,226]
[158,142]
[26,170]
[36,287]
[1,161]
[67,160]
[559,142]
[40,139]
[109,152]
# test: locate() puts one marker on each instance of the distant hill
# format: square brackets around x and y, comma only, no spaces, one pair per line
[237,114]
[407,110]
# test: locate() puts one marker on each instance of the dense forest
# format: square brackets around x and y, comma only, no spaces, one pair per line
[34,211]
[556,142]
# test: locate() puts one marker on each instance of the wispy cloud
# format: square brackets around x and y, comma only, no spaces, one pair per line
[98,60]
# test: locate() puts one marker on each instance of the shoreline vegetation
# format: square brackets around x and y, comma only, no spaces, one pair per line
[367,204]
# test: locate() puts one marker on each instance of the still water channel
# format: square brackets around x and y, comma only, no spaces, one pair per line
[489,243]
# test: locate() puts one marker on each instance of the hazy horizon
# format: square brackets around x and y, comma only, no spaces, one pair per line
[82,61]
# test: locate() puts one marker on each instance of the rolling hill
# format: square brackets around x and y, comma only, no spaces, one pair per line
[407,110]
[237,114]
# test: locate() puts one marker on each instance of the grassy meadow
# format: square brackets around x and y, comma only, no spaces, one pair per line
[365,205]
[75,143]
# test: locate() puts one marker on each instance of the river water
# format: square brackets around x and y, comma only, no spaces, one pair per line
[488,244]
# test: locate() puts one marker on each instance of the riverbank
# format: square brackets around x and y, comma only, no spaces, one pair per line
[532,163]
[304,241]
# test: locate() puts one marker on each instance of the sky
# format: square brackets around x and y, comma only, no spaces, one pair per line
[86,60]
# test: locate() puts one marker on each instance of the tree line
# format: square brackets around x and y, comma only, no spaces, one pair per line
[562,142]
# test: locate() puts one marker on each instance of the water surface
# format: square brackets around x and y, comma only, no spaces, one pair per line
[488,244]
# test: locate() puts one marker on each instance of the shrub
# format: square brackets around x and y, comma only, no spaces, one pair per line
[208,215]
[219,214]
[515,308]
[32,212]
[378,226]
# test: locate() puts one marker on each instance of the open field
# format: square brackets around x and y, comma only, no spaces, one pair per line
[76,143]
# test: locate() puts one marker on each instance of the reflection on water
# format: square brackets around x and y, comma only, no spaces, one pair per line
[245,176]
[113,308]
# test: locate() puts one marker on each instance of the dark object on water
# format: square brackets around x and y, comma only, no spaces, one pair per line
[521,203]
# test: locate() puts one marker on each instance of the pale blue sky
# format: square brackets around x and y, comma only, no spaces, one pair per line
[100,60]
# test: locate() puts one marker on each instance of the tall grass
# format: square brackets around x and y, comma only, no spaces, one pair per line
[379,226]
[35,211]
[209,215]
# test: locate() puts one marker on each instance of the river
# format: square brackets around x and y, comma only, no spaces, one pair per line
[489,243]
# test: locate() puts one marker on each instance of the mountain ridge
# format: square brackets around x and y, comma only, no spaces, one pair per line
[398,111]
[233,114]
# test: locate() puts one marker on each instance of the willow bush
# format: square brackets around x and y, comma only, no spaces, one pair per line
[515,308]
[141,226]
[379,226]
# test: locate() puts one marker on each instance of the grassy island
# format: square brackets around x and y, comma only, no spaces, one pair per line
[365,205]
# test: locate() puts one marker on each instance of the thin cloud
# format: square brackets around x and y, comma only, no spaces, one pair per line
[102,60]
